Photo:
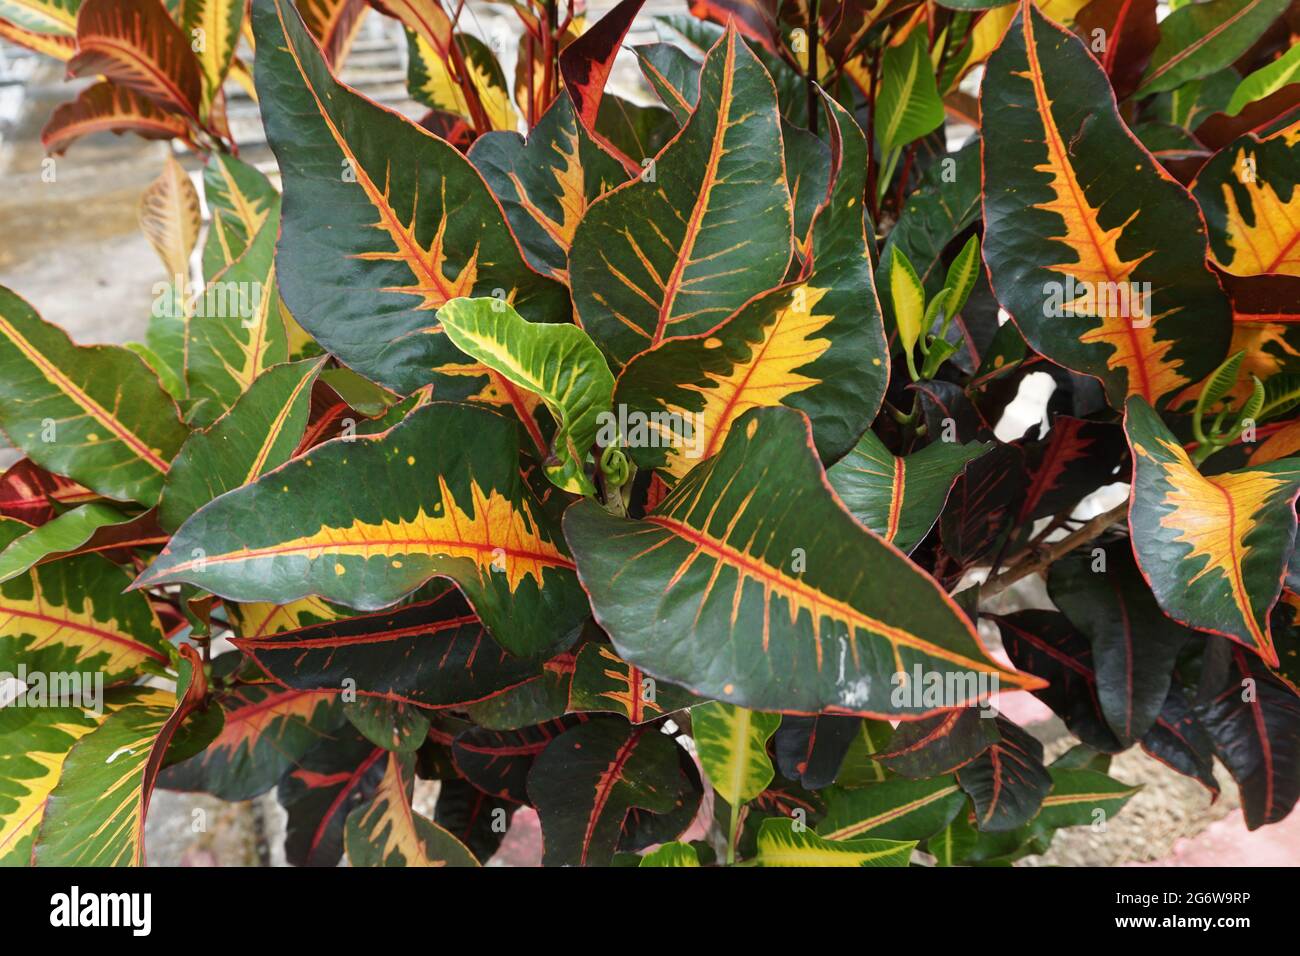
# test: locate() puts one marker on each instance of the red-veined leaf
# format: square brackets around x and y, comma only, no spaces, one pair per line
[1213,549]
[107,106]
[673,254]
[411,235]
[432,653]
[134,43]
[326,534]
[1097,253]
[739,602]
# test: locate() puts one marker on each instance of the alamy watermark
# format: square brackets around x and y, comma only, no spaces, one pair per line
[1115,300]
[236,300]
[52,689]
[931,689]
[637,429]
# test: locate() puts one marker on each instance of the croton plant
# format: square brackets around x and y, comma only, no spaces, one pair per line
[648,464]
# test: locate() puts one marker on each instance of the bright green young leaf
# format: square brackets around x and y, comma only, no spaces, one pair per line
[672,854]
[908,297]
[1266,81]
[781,844]
[908,104]
[557,362]
[732,745]
[64,533]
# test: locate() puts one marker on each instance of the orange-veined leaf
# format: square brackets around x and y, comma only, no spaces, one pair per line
[546,182]
[51,18]
[135,43]
[604,682]
[107,106]
[742,604]
[240,199]
[213,28]
[410,236]
[1213,549]
[93,413]
[237,330]
[61,46]
[1250,194]
[896,809]
[1095,251]
[453,504]
[816,344]
[333,24]
[388,832]
[899,498]
[676,252]
[1078,796]
[1198,39]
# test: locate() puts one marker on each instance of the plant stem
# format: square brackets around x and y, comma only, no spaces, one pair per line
[1094,529]
[810,76]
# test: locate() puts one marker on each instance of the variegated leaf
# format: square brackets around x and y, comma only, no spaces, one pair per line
[408,236]
[1213,549]
[674,255]
[314,528]
[1097,253]
[752,607]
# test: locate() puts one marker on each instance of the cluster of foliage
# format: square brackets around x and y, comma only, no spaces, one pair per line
[652,454]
